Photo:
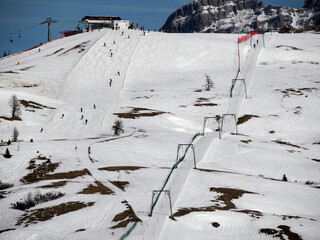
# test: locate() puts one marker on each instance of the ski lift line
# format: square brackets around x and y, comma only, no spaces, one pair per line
[20,30]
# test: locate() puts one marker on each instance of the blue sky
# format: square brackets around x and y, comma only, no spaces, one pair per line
[25,15]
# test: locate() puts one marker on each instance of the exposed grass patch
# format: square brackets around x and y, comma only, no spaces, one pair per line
[125,217]
[26,68]
[99,188]
[121,168]
[215,224]
[6,230]
[120,184]
[10,119]
[288,144]
[9,72]
[246,141]
[226,197]
[252,213]
[5,185]
[295,92]
[55,185]
[80,46]
[80,230]
[44,214]
[284,231]
[292,48]
[316,160]
[34,105]
[41,171]
[37,198]
[245,118]
[205,104]
[59,50]
[139,112]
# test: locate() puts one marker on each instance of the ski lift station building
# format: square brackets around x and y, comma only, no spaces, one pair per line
[98,22]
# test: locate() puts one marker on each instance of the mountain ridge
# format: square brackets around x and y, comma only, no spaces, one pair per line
[238,16]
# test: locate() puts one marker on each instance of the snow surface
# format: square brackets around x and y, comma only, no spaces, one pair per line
[166,73]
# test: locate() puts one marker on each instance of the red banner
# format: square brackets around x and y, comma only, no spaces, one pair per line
[247,37]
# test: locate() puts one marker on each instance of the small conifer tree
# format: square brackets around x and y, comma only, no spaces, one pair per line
[117,127]
[15,134]
[209,84]
[7,154]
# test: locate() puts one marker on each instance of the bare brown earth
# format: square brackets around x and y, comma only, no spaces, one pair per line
[139,112]
[121,168]
[293,48]
[34,105]
[246,118]
[316,160]
[9,72]
[6,230]
[44,214]
[284,231]
[99,188]
[2,193]
[202,102]
[215,224]
[295,92]
[205,104]
[120,184]
[10,119]
[252,213]
[59,50]
[288,144]
[54,185]
[125,217]
[80,46]
[26,68]
[246,141]
[226,197]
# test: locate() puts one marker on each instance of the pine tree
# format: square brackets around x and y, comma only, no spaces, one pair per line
[209,84]
[117,127]
[15,107]
[7,154]
[5,54]
[15,134]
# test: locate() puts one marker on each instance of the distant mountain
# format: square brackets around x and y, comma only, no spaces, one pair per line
[237,16]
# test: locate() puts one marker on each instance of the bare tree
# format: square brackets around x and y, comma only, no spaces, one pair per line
[15,107]
[117,127]
[15,134]
[209,84]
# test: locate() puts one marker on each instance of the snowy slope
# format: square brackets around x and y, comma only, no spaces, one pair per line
[160,98]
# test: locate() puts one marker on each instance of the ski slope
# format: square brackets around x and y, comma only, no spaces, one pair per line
[160,97]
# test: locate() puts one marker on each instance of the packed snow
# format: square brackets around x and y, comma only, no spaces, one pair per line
[232,189]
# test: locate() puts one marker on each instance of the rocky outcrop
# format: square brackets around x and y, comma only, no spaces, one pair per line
[237,16]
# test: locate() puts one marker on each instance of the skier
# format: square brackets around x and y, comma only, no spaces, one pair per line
[128,36]
[111,54]
[104,44]
[110,82]
[82,117]
[122,33]
[86,121]
[62,116]
[119,73]
[114,42]
[81,109]
[254,45]
[41,130]
[257,41]
[94,106]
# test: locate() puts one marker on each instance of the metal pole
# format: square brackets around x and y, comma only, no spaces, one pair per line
[235,121]
[204,125]
[168,192]
[219,125]
[49,37]
[245,87]
[194,157]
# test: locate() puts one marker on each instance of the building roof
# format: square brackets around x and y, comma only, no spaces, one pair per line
[99,19]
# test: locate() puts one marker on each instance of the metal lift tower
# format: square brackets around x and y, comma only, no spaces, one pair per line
[49,21]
